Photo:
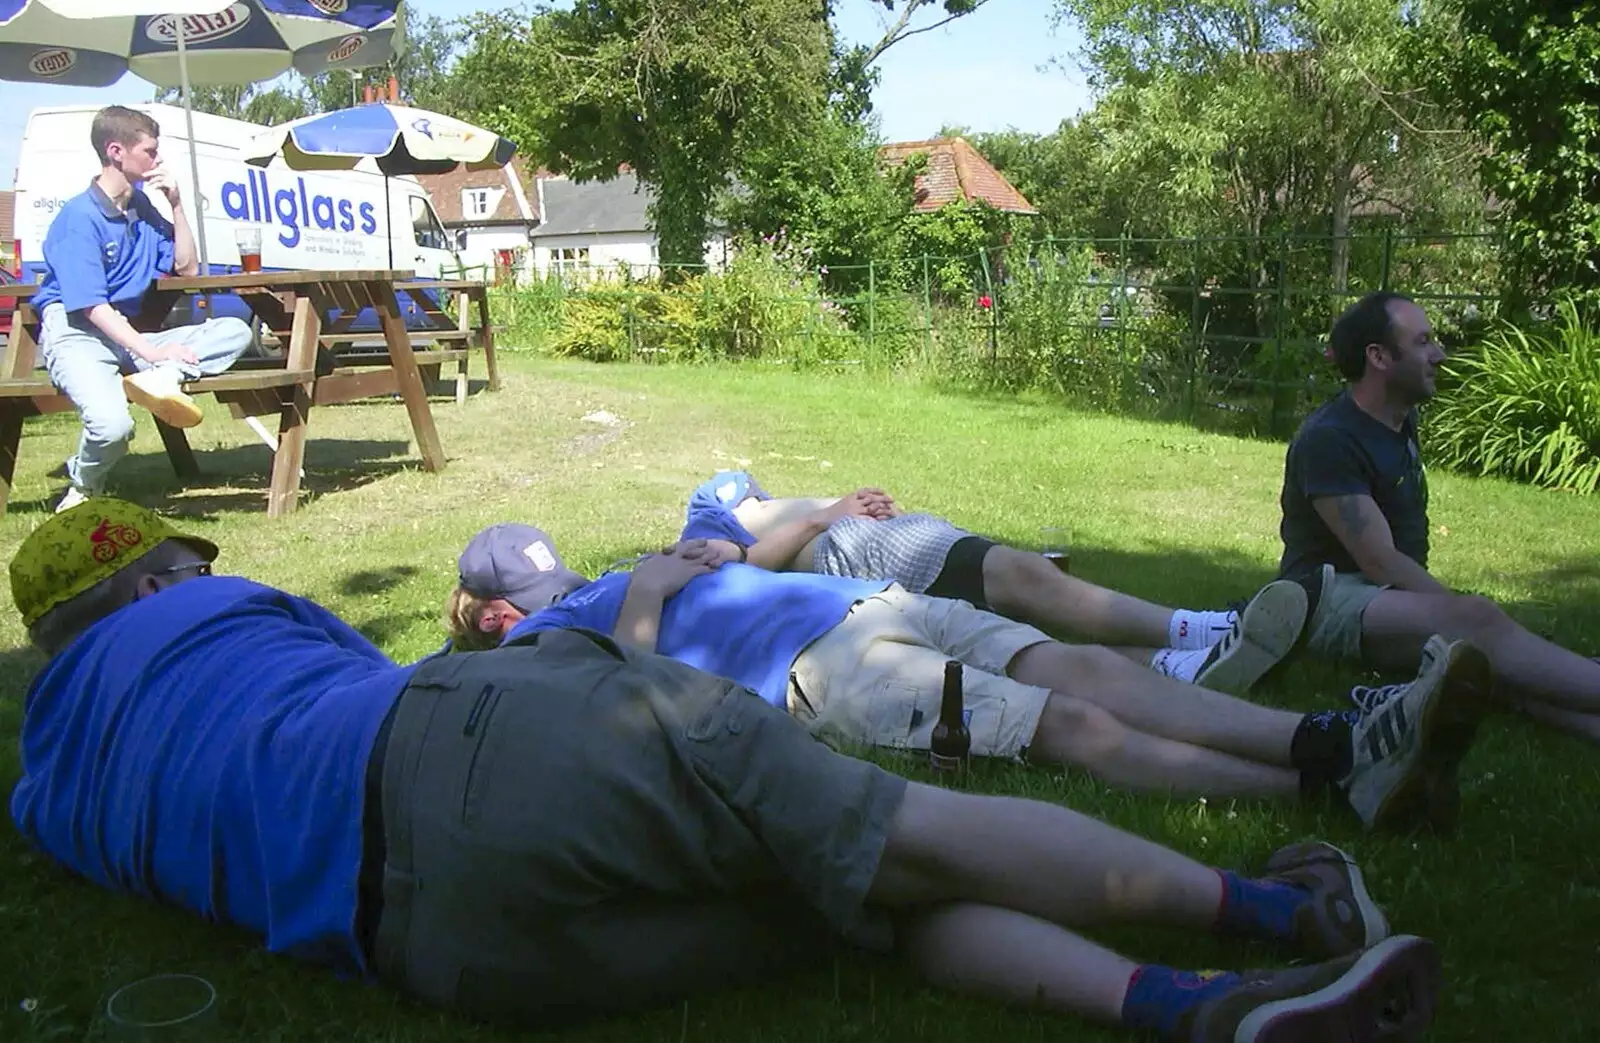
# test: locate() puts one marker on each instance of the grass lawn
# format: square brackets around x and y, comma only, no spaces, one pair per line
[1160,511]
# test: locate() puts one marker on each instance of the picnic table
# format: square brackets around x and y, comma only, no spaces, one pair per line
[310,313]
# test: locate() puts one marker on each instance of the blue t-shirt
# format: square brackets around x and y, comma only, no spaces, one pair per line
[207,746]
[1342,450]
[739,622]
[95,253]
[715,522]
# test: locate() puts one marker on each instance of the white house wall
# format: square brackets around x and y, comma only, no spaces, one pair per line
[483,242]
[610,250]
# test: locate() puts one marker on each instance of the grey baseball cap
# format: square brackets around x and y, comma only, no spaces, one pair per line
[518,563]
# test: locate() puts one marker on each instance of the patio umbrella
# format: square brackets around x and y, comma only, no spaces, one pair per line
[173,43]
[399,138]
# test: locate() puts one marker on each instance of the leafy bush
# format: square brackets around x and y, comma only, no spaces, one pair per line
[1526,405]
[762,306]
[529,313]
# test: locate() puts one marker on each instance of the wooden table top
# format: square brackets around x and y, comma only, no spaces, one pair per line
[268,280]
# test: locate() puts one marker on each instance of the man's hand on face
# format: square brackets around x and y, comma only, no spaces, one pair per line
[667,573]
[160,181]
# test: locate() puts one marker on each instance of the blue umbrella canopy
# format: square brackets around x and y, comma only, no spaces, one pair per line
[173,43]
[92,43]
[402,139]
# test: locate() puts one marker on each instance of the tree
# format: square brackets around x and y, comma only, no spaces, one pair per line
[902,27]
[247,101]
[679,91]
[422,68]
[828,195]
[1260,115]
[1524,74]
[1060,175]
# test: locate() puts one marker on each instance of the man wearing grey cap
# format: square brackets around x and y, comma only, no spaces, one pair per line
[520,572]
[861,663]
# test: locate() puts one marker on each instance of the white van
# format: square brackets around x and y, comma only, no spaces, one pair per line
[317,220]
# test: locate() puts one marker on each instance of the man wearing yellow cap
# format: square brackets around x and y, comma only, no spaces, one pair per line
[559,825]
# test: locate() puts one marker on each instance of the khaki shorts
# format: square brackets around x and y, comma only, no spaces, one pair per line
[876,678]
[1336,628]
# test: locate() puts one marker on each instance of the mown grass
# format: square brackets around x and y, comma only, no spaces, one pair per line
[1160,511]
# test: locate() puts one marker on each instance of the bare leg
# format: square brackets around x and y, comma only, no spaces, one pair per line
[1026,587]
[1016,958]
[1074,731]
[1159,705]
[1586,725]
[1397,622]
[1036,858]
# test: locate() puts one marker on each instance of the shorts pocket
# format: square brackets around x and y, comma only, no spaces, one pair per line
[895,717]
[477,730]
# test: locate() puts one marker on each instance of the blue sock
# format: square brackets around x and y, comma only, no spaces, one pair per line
[1158,996]
[1258,908]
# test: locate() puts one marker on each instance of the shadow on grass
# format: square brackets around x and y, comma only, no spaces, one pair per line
[384,629]
[241,476]
[376,581]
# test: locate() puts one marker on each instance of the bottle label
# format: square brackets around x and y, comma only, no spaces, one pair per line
[942,762]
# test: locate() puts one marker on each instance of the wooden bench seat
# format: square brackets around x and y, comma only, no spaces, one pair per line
[334,340]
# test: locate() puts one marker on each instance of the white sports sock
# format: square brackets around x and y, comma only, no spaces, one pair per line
[1182,664]
[1191,628]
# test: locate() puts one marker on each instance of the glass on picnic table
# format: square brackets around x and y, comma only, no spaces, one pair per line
[249,239]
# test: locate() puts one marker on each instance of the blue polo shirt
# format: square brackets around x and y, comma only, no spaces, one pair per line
[95,253]
[739,622]
[207,746]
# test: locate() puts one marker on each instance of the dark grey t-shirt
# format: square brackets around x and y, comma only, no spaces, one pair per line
[1340,450]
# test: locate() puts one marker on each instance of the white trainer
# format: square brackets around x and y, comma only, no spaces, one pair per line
[160,390]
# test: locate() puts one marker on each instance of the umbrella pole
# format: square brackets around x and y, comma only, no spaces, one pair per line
[194,151]
[388,219]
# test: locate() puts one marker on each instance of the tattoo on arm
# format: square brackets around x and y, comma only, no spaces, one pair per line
[1352,516]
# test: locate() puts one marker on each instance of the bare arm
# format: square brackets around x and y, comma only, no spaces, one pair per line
[654,580]
[777,550]
[639,620]
[185,258]
[1359,524]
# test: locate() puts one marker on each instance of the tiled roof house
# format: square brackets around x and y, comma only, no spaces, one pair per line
[955,171]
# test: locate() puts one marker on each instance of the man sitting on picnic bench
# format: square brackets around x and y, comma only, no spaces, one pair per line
[862,664]
[565,826]
[866,535]
[103,250]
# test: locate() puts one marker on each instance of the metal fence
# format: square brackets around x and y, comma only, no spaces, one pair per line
[1211,329]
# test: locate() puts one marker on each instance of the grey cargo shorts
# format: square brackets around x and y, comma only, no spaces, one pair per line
[572,828]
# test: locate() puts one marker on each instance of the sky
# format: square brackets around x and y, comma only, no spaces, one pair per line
[988,71]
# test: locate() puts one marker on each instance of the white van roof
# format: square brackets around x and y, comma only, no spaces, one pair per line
[209,128]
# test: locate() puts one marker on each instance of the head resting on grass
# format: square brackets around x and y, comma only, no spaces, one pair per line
[87,562]
[507,573]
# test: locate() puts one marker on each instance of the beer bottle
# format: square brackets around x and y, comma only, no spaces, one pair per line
[947,749]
